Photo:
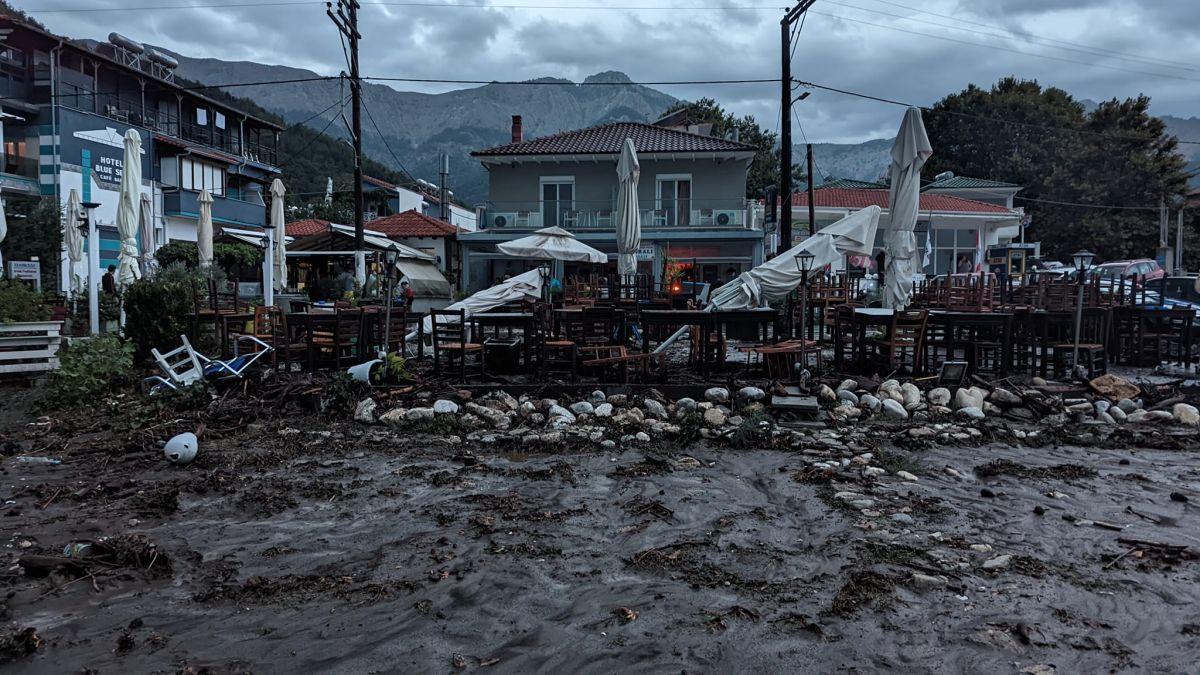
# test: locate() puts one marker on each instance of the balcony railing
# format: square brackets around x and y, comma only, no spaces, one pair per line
[224,209]
[26,167]
[696,214]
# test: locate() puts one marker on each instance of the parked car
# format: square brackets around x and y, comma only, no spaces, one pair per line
[1125,269]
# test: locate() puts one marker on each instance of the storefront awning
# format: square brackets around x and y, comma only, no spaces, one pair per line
[424,278]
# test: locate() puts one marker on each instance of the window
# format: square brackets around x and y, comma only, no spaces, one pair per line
[219,120]
[953,250]
[202,117]
[197,175]
[674,200]
[558,200]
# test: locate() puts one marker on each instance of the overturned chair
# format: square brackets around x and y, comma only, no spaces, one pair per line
[184,366]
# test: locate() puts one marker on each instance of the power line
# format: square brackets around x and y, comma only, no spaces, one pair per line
[387,145]
[429,5]
[319,133]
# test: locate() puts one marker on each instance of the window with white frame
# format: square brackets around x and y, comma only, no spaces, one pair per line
[197,175]
[558,201]
[673,199]
[954,250]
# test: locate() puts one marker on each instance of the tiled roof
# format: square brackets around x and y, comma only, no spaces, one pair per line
[306,227]
[607,139]
[962,182]
[852,184]
[838,198]
[412,224]
[378,181]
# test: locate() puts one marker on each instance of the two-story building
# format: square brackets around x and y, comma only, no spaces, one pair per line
[67,105]
[691,197]
[386,199]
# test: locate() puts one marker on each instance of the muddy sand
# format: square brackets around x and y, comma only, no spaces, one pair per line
[299,544]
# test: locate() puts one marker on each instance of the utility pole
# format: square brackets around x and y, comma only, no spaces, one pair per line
[445,192]
[346,20]
[812,202]
[785,140]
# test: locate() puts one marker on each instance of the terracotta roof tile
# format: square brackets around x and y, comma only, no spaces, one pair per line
[607,139]
[841,198]
[412,224]
[306,227]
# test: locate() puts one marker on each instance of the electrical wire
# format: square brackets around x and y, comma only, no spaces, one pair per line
[312,140]
[408,174]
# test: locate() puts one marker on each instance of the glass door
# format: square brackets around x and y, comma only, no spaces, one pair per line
[675,201]
[558,198]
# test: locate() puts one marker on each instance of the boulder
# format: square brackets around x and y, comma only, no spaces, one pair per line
[847,396]
[751,394]
[1117,414]
[845,411]
[1004,398]
[826,395]
[642,437]
[618,400]
[419,414]
[527,408]
[969,398]
[905,475]
[561,412]
[1105,418]
[490,415]
[551,438]
[597,397]
[445,407]
[684,406]
[990,408]
[504,399]
[603,410]
[848,385]
[1101,405]
[655,408]
[1083,408]
[1186,414]
[997,563]
[1127,405]
[911,395]
[365,411]
[582,408]
[870,402]
[715,417]
[1114,388]
[717,395]
[971,413]
[939,396]
[892,409]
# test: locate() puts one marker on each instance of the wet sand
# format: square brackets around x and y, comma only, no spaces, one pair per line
[297,544]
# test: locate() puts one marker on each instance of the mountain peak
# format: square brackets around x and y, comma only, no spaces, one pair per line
[608,77]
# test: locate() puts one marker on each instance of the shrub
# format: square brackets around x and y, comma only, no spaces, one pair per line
[89,368]
[182,252]
[159,307]
[238,259]
[19,302]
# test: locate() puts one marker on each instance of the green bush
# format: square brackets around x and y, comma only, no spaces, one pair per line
[235,259]
[182,252]
[89,368]
[19,303]
[159,307]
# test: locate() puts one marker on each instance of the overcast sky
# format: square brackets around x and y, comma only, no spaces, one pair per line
[1095,49]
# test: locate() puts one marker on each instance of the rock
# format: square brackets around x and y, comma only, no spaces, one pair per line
[608,445]
[1186,414]
[1105,418]
[847,396]
[862,503]
[981,548]
[826,395]
[1159,416]
[1038,381]
[846,411]
[597,397]
[968,398]
[848,385]
[997,563]
[527,408]
[902,518]
[1117,414]
[603,410]
[892,409]
[926,581]
[561,412]
[445,407]
[904,475]
[751,394]
[551,438]
[870,402]
[939,396]
[537,419]
[922,432]
[642,437]
[970,413]
[735,420]
[1004,398]
[684,406]
[873,471]
[582,408]
[618,400]
[1114,388]
[655,408]
[419,414]
[1127,405]
[990,408]
[365,411]
[1084,408]
[714,417]
[490,415]
[505,399]
[717,395]
[1101,405]
[911,394]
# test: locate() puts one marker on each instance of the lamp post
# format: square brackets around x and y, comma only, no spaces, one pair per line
[389,258]
[1082,259]
[544,273]
[804,263]
[87,227]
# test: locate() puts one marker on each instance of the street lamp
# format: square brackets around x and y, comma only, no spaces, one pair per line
[389,256]
[1083,260]
[544,275]
[87,227]
[804,262]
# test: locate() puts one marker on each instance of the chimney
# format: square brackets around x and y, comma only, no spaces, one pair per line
[517,134]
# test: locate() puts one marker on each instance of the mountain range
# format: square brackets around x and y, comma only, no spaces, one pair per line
[409,131]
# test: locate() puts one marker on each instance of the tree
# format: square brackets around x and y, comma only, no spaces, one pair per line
[1043,140]
[34,231]
[764,169]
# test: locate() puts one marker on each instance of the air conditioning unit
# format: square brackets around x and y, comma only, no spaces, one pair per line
[504,219]
[728,218]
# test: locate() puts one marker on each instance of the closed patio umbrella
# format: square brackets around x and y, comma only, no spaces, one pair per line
[128,210]
[73,241]
[909,154]
[552,243]
[3,233]
[279,254]
[629,219]
[146,231]
[526,286]
[204,229]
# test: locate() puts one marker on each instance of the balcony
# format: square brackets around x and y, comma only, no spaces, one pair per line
[224,209]
[691,214]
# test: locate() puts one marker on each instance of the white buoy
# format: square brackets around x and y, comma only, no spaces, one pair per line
[182,448]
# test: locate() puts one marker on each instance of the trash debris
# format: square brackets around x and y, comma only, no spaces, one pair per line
[182,449]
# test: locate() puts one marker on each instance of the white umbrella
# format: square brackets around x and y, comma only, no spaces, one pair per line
[552,243]
[629,219]
[526,286]
[127,209]
[146,231]
[279,255]
[909,154]
[329,190]
[204,229]
[73,241]
[3,233]
[779,276]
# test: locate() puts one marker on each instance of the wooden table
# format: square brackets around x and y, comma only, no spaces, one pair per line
[959,328]
[525,321]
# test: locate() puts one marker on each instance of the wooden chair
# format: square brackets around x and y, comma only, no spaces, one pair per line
[1093,353]
[904,342]
[555,352]
[845,337]
[335,339]
[450,338]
